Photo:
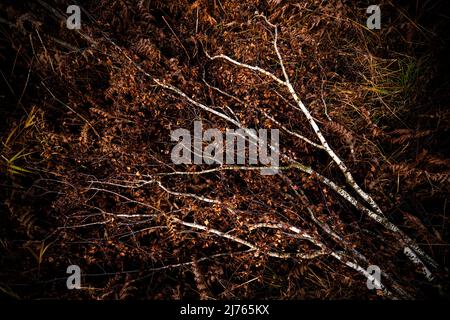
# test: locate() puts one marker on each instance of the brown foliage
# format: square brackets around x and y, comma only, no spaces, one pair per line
[106,129]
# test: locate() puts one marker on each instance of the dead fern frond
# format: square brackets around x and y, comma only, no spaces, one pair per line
[346,135]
